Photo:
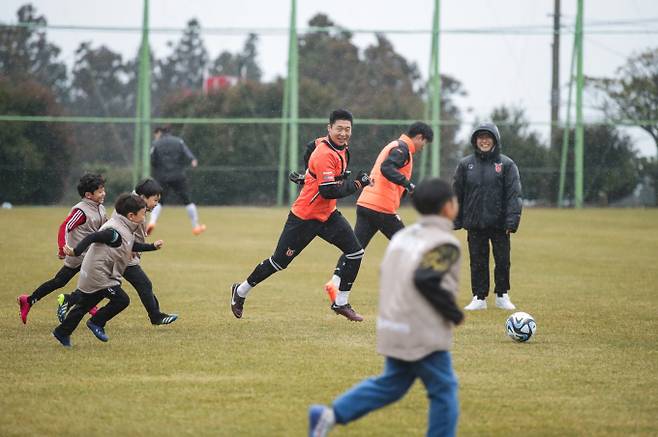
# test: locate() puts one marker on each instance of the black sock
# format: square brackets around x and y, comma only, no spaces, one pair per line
[262,271]
[32,300]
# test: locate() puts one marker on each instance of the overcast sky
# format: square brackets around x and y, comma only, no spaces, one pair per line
[494,69]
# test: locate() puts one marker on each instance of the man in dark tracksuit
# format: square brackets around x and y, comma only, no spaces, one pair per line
[169,159]
[488,187]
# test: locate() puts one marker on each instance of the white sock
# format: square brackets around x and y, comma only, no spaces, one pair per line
[156,213]
[244,289]
[342,297]
[192,214]
[336,280]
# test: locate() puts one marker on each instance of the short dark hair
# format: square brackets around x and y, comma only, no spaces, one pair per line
[421,128]
[430,195]
[90,182]
[340,114]
[165,129]
[127,203]
[148,187]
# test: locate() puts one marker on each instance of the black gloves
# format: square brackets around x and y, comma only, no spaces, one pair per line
[362,179]
[410,187]
[296,178]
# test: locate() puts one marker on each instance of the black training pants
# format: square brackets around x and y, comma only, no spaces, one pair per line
[368,222]
[118,301]
[142,284]
[298,233]
[178,186]
[62,277]
[478,249]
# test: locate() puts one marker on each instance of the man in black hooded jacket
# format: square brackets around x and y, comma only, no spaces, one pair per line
[488,187]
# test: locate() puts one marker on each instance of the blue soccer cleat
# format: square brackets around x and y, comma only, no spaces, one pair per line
[98,331]
[65,340]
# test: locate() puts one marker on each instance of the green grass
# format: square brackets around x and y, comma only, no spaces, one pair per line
[589,277]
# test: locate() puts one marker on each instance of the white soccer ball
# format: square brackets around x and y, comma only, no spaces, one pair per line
[521,326]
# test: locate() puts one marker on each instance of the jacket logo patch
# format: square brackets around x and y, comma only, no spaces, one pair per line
[498,167]
[470,166]
[290,252]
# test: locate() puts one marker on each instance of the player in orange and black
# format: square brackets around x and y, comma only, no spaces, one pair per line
[377,206]
[314,214]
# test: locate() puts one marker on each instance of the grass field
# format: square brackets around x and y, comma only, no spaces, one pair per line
[589,277]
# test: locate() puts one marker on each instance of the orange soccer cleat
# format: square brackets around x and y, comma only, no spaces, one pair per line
[198,229]
[331,290]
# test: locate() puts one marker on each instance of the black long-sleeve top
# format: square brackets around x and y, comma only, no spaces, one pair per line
[112,238]
[397,158]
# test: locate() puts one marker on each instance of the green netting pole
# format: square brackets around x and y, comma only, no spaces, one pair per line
[294,89]
[567,127]
[137,139]
[578,161]
[436,96]
[424,152]
[145,92]
[284,140]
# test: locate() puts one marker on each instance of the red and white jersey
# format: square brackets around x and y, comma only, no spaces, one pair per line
[85,217]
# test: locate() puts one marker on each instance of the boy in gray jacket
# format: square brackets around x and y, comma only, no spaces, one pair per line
[417,313]
[84,218]
[110,251]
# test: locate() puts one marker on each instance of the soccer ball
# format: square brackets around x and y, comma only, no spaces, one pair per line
[520,326]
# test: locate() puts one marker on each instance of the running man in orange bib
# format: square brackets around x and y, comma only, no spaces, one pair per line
[314,214]
[377,207]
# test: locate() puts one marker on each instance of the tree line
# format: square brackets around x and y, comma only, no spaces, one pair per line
[40,161]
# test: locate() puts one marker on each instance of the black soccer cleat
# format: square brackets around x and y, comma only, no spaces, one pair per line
[62,307]
[347,311]
[237,302]
[165,319]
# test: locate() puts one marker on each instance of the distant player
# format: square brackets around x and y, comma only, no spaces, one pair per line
[169,159]
[377,206]
[314,214]
[149,190]
[488,186]
[86,217]
[111,250]
[419,278]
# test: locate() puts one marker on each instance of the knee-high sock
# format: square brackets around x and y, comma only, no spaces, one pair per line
[262,271]
[192,214]
[155,213]
[347,279]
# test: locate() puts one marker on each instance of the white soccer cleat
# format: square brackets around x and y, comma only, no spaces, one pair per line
[476,304]
[504,303]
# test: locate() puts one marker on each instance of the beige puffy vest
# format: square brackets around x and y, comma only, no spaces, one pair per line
[408,327]
[96,217]
[103,265]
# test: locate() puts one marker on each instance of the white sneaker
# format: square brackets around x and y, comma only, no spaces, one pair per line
[504,302]
[476,304]
[320,420]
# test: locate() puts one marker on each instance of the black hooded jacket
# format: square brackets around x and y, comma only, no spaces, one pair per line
[488,187]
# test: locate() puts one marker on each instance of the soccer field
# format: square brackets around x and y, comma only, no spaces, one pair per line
[590,279]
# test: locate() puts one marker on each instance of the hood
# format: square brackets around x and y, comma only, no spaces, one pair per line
[493,130]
